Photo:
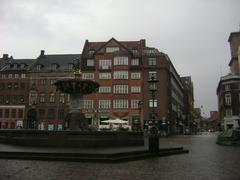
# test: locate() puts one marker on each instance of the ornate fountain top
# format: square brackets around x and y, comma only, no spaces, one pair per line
[76,85]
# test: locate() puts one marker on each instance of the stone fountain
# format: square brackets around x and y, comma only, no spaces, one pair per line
[76,87]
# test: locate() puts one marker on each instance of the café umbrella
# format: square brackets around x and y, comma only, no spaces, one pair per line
[115,121]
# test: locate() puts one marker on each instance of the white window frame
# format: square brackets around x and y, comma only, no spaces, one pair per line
[135,62]
[150,73]
[228,112]
[152,61]
[228,99]
[105,89]
[120,89]
[136,75]
[136,89]
[135,103]
[104,104]
[112,49]
[120,60]
[120,103]
[87,75]
[120,75]
[105,63]
[104,75]
[151,104]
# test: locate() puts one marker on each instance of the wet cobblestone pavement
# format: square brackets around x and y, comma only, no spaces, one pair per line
[206,160]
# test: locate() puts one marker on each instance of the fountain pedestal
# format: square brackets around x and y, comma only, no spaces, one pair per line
[76,88]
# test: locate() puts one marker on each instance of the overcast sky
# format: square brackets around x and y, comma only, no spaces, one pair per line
[193,33]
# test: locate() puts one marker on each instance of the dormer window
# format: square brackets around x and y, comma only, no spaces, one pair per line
[39,67]
[70,66]
[22,66]
[54,66]
[15,66]
[112,49]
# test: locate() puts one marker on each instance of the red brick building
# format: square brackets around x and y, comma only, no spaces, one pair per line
[14,86]
[46,107]
[123,69]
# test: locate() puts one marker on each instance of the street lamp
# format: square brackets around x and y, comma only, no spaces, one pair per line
[153,138]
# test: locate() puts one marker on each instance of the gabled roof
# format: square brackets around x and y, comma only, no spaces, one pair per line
[113,42]
[61,60]
[129,46]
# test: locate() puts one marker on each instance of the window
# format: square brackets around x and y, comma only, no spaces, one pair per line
[62,98]
[135,62]
[13,113]
[51,114]
[88,76]
[121,60]
[33,98]
[54,66]
[104,75]
[228,112]
[87,104]
[20,113]
[105,63]
[7,99]
[9,86]
[39,67]
[136,89]
[227,87]
[228,99]
[112,49]
[6,114]
[153,103]
[152,74]
[42,98]
[70,66]
[120,89]
[135,103]
[22,66]
[33,82]
[42,81]
[120,75]
[16,76]
[104,104]
[15,99]
[41,113]
[104,89]
[1,99]
[61,114]
[120,104]
[10,76]
[50,127]
[52,98]
[23,75]
[52,81]
[60,127]
[136,75]
[152,61]
[1,113]
[15,85]
[21,99]
[90,62]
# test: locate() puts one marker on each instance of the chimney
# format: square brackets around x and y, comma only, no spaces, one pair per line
[42,53]
[5,56]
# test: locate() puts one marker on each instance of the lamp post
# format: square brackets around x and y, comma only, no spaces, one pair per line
[153,138]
